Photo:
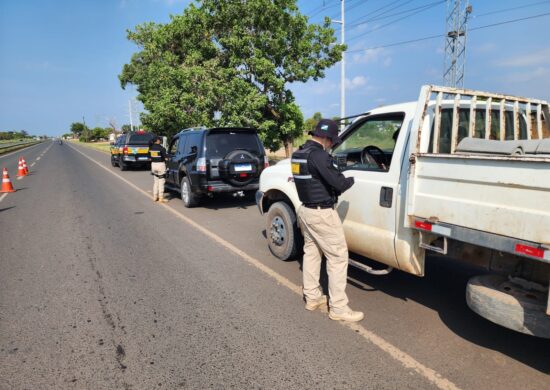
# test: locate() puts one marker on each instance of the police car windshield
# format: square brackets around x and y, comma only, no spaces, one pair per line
[140,139]
[220,144]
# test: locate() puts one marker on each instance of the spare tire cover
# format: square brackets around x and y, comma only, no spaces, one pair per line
[234,170]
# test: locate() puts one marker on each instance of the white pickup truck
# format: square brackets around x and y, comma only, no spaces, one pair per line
[459,172]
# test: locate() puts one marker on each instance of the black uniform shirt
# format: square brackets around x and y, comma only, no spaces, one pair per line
[321,167]
[158,153]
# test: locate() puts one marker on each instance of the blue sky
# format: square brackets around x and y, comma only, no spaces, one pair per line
[59,59]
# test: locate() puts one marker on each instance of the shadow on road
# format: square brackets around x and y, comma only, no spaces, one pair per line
[227,201]
[7,208]
[443,290]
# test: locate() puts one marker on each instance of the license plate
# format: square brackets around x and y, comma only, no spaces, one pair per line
[243,167]
[143,158]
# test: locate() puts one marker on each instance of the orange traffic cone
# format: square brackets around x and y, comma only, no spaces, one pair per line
[25,165]
[6,182]
[21,170]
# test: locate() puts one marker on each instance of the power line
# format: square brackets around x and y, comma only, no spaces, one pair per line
[358,23]
[394,8]
[511,9]
[393,21]
[442,35]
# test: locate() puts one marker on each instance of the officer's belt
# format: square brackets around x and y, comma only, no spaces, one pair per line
[318,205]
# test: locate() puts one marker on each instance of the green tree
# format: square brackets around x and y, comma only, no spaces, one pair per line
[126,128]
[229,63]
[310,123]
[78,128]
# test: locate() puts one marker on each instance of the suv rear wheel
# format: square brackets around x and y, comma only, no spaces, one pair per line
[122,165]
[283,236]
[187,196]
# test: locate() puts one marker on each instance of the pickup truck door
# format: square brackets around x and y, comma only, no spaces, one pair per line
[368,209]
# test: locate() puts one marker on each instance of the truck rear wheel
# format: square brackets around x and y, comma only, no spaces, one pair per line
[504,303]
[283,236]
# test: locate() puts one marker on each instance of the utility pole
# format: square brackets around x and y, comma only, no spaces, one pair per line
[131,116]
[342,23]
[84,129]
[458,12]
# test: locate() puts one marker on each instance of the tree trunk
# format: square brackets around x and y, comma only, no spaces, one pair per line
[288,148]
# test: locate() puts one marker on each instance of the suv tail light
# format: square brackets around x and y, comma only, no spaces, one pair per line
[201,164]
[266,162]
[125,150]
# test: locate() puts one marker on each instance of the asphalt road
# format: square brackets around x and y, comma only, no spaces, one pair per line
[100,288]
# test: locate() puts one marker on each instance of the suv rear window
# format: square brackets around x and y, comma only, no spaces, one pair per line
[140,139]
[220,144]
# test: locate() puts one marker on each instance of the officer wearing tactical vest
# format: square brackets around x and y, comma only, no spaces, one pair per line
[319,184]
[158,169]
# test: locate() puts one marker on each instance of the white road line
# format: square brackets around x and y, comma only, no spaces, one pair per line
[405,359]
[19,177]
[38,158]
[2,197]
[32,165]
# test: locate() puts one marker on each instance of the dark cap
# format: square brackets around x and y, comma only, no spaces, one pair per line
[327,128]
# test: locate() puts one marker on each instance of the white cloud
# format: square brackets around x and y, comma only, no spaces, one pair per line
[356,82]
[540,73]
[372,56]
[367,56]
[485,48]
[539,57]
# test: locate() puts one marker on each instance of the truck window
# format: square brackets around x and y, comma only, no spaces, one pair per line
[173,146]
[193,141]
[140,139]
[445,132]
[368,146]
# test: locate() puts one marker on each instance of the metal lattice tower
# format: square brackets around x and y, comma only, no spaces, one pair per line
[458,12]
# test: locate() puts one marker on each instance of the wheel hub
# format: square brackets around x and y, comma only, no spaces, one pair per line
[278,231]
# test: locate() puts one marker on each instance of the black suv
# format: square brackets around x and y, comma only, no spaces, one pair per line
[131,149]
[209,161]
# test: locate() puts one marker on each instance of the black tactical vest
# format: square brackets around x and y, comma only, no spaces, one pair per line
[155,152]
[311,190]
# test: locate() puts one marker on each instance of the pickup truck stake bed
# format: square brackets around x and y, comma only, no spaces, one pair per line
[460,172]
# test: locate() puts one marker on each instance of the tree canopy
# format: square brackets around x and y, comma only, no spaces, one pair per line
[229,63]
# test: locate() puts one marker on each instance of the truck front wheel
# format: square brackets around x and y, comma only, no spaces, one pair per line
[283,236]
[497,299]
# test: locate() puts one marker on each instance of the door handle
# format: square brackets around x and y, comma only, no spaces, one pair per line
[386,197]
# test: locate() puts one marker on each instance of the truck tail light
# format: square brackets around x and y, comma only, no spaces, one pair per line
[530,251]
[201,164]
[266,162]
[125,150]
[423,225]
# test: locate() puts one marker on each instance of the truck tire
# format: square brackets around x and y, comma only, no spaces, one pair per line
[504,303]
[187,196]
[283,236]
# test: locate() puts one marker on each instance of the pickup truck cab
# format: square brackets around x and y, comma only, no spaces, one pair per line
[458,172]
[131,149]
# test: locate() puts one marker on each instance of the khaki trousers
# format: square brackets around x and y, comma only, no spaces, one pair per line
[324,234]
[158,168]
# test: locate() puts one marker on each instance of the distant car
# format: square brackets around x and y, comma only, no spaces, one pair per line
[212,161]
[131,149]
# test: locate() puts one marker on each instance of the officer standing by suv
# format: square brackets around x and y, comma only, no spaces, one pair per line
[158,169]
[319,184]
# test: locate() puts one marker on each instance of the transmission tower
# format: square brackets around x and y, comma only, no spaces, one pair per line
[458,12]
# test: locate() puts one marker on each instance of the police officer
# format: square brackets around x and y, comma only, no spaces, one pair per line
[158,169]
[319,184]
